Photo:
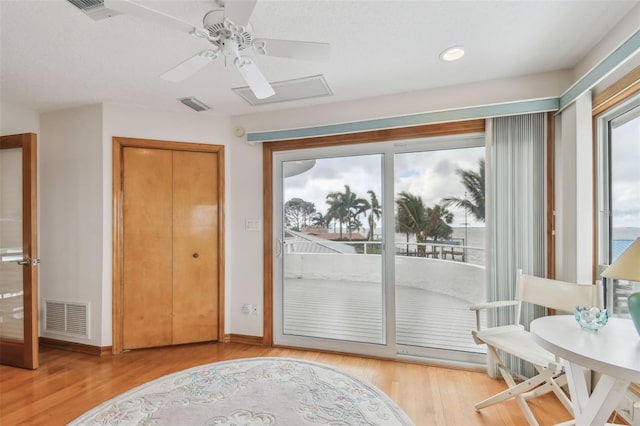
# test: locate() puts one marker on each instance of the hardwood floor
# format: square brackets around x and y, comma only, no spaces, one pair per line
[69,383]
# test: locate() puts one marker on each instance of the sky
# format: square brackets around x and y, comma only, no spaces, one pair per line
[431,175]
[625,173]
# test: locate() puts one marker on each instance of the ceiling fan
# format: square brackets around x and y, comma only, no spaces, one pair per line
[231,35]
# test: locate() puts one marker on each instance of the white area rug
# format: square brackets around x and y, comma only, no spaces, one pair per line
[251,392]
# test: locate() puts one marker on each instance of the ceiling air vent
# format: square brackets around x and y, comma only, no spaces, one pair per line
[289,90]
[194,103]
[94,8]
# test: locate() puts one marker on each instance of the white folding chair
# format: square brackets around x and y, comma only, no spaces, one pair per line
[515,340]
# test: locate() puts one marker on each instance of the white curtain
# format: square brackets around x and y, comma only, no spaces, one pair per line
[519,214]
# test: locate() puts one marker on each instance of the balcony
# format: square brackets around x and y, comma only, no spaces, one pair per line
[333,290]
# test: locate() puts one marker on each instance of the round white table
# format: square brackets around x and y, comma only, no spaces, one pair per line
[613,351]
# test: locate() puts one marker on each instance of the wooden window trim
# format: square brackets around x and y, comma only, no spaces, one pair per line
[618,92]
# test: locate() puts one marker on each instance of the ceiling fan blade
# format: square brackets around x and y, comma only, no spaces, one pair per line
[130,8]
[190,66]
[239,11]
[254,78]
[306,50]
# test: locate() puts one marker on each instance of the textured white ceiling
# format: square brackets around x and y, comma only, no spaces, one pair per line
[53,56]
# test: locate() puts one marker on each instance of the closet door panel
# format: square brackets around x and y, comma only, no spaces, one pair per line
[195,242]
[147,247]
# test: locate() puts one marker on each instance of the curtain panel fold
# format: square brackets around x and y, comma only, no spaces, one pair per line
[519,214]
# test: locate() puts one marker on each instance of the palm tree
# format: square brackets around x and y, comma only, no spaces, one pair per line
[345,206]
[412,218]
[355,225]
[474,183]
[323,221]
[375,212]
[438,220]
[336,209]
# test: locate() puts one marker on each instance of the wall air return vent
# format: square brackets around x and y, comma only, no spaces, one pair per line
[94,8]
[289,90]
[70,318]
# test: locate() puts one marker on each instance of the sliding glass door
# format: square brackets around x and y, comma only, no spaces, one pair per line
[330,290]
[380,247]
[439,249]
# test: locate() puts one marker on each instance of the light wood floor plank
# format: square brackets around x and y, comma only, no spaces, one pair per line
[68,384]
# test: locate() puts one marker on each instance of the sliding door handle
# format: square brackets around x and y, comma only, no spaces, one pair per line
[28,262]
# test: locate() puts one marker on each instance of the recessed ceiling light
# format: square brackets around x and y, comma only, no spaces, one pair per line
[452,54]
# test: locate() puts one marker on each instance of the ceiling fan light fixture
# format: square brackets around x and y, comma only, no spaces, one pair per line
[452,54]
[194,104]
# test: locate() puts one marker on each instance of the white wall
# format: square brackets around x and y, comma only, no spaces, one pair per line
[71,214]
[574,247]
[574,193]
[246,172]
[537,86]
[76,194]
[244,260]
[15,119]
[75,176]
[618,35]
[144,123]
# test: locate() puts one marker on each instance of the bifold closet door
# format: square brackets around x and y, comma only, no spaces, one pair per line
[195,247]
[170,243]
[147,247]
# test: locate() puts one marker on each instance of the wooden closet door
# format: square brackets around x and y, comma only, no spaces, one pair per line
[195,247]
[147,247]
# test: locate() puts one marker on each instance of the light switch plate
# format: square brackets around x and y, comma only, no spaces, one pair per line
[253,225]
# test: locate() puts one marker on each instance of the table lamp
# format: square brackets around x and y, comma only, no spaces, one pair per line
[627,267]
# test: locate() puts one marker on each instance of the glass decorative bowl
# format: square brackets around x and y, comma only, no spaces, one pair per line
[591,319]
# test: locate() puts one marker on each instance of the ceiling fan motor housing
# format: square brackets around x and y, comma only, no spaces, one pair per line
[214,22]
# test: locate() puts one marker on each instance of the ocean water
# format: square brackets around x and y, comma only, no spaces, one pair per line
[622,239]
[472,237]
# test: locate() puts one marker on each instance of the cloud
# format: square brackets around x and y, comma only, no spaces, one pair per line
[625,175]
[429,174]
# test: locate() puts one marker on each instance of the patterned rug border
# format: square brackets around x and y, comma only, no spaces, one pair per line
[400,414]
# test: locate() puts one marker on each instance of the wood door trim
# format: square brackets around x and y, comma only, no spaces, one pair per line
[119,143]
[269,148]
[551,197]
[28,143]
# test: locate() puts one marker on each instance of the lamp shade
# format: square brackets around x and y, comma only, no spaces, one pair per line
[627,266]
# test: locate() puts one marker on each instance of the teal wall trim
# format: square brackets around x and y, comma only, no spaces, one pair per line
[511,108]
[617,57]
[610,63]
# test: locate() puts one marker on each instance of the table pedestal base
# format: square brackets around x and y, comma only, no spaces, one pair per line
[595,408]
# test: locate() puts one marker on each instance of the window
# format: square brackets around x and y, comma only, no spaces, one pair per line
[618,144]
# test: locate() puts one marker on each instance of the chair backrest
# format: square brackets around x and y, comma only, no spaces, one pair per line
[555,294]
